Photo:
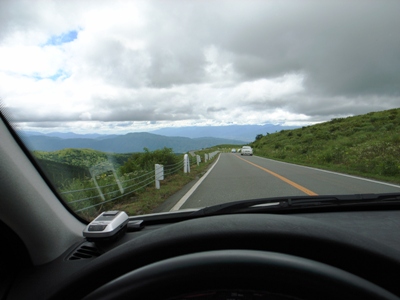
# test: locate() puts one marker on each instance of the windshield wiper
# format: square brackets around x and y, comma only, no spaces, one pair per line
[283,203]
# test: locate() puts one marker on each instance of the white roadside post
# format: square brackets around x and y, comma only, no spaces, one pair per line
[186,164]
[198,159]
[159,173]
[205,157]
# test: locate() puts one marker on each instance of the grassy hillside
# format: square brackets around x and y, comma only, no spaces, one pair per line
[130,188]
[62,166]
[61,174]
[367,145]
[81,157]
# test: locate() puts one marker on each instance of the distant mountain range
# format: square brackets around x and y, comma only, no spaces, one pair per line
[70,135]
[180,139]
[131,142]
[246,133]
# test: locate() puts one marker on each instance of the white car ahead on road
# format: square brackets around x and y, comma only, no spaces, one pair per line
[246,150]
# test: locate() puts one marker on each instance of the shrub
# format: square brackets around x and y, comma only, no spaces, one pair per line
[147,160]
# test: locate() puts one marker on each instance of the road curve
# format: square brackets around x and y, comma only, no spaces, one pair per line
[237,177]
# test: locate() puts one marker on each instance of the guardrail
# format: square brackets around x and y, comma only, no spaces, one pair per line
[118,187]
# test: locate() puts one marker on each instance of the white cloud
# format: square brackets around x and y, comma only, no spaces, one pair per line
[85,116]
[144,64]
[219,66]
[31,61]
[264,90]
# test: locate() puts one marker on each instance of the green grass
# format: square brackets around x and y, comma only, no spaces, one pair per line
[366,145]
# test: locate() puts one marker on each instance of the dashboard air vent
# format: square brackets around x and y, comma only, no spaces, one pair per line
[86,250]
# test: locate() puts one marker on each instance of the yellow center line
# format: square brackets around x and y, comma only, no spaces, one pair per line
[294,184]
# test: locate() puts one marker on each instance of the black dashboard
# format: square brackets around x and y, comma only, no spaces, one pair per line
[364,244]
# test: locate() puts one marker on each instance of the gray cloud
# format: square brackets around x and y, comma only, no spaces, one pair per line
[190,60]
[318,106]
[213,109]
[344,47]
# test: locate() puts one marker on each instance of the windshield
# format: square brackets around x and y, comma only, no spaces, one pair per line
[146,106]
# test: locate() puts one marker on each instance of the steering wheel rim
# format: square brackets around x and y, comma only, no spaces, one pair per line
[239,270]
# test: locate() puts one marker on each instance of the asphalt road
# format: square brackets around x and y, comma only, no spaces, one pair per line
[236,177]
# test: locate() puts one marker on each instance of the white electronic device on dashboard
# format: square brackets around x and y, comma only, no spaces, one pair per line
[107,225]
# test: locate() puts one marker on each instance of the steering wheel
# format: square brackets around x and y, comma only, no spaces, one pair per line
[269,275]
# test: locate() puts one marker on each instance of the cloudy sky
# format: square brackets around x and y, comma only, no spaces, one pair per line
[119,66]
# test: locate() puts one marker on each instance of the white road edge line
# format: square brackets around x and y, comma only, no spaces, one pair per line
[336,173]
[191,191]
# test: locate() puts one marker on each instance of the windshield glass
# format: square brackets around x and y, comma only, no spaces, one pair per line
[145,106]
